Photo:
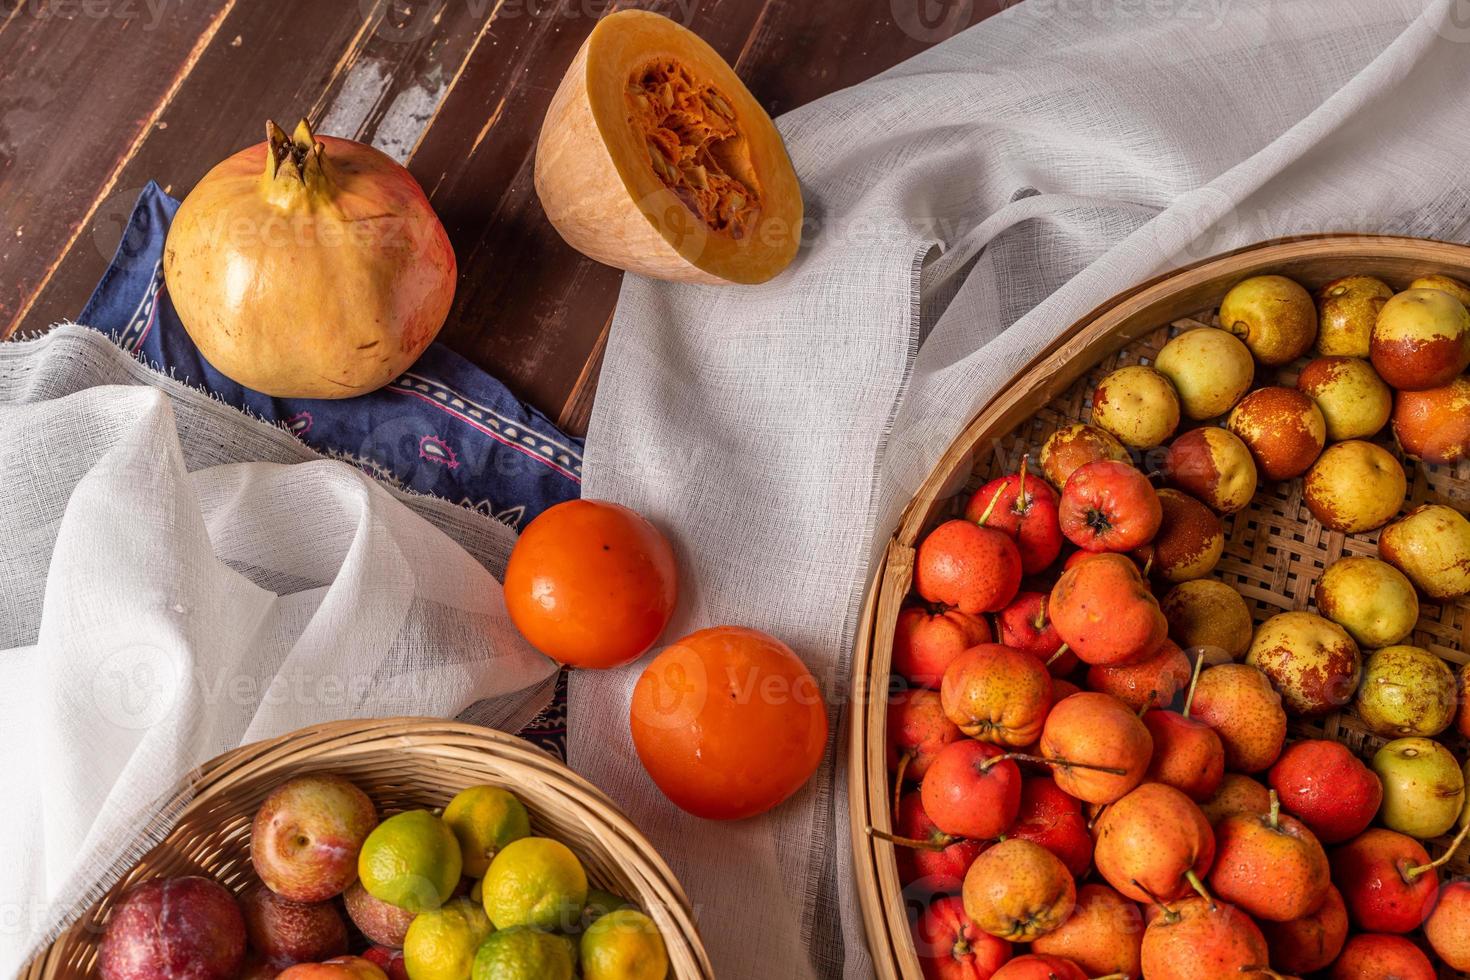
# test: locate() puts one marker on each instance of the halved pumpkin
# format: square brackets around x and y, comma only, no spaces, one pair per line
[655,158]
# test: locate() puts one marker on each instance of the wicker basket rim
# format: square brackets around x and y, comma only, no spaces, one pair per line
[892,949]
[634,854]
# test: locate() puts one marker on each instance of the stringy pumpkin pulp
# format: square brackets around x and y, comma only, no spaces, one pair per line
[695,146]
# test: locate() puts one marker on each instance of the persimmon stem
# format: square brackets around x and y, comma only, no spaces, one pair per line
[1199,886]
[913,842]
[1055,763]
[1199,663]
[1443,859]
[1057,655]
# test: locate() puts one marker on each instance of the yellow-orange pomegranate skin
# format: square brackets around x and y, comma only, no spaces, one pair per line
[309,267]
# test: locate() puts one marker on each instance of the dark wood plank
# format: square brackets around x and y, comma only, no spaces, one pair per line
[516,274]
[387,90]
[262,58]
[77,92]
[577,411]
[801,52]
[338,61]
[455,88]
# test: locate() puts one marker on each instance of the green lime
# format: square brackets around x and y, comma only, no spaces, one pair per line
[485,819]
[410,860]
[600,903]
[624,945]
[535,881]
[441,943]
[523,953]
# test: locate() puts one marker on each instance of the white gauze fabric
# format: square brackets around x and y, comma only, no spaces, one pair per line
[964,208]
[161,602]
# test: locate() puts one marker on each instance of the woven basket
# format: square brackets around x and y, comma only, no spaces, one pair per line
[402,763]
[1275,550]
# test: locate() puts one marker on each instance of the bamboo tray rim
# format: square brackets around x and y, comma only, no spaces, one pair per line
[886,927]
[584,802]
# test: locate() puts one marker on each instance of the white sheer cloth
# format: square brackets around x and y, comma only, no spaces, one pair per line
[965,207]
[161,602]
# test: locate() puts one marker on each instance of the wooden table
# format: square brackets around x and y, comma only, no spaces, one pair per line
[97,97]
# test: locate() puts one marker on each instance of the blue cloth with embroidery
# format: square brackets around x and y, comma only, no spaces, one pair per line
[444,427]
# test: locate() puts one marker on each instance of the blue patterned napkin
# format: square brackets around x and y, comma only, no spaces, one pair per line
[444,427]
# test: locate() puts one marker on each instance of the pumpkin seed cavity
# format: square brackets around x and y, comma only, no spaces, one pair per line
[695,146]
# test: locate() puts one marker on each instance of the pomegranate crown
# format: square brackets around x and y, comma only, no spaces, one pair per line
[294,162]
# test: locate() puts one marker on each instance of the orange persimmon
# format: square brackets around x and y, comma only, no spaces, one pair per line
[729,722]
[591,584]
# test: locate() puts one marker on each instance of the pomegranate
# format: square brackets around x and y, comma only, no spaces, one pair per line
[309,267]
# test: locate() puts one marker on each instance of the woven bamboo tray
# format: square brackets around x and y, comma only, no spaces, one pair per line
[402,763]
[1275,550]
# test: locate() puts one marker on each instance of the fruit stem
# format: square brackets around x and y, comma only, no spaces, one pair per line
[1199,663]
[1039,623]
[903,765]
[1275,814]
[1169,913]
[1056,656]
[913,842]
[985,514]
[1199,886]
[1020,505]
[1444,858]
[1057,763]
